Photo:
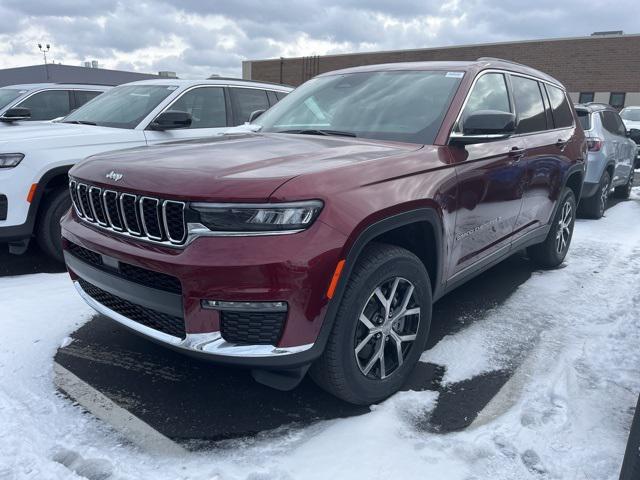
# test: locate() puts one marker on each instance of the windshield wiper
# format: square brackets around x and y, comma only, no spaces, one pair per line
[80,122]
[313,131]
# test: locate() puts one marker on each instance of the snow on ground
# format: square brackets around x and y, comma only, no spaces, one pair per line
[571,335]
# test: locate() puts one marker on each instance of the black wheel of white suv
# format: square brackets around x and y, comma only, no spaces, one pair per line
[624,191]
[551,252]
[380,329]
[594,206]
[48,232]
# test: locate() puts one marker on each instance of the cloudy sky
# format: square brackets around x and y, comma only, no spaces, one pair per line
[199,37]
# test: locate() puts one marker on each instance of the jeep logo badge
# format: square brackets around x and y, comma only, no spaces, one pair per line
[114,176]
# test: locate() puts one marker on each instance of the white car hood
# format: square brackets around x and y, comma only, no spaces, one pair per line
[631,124]
[59,135]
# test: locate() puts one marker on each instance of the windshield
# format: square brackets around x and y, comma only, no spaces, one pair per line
[632,114]
[403,106]
[8,95]
[121,107]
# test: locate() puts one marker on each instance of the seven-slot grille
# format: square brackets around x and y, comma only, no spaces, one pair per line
[135,215]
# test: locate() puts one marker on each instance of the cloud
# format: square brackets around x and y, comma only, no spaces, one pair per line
[196,38]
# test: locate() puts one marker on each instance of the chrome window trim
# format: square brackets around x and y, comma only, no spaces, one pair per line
[93,207]
[142,219]
[208,343]
[511,100]
[131,231]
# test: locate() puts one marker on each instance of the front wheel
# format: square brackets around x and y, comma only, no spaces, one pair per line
[551,252]
[49,235]
[380,329]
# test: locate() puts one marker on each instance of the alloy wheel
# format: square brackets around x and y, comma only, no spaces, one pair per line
[604,196]
[564,228]
[387,328]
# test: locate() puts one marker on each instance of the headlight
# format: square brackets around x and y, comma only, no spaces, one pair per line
[10,160]
[258,218]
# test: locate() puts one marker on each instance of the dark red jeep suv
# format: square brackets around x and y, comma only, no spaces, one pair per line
[320,237]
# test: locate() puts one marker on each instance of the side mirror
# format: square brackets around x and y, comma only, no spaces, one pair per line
[485,126]
[634,134]
[255,114]
[15,114]
[171,120]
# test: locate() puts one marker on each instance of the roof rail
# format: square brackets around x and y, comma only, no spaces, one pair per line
[495,59]
[235,79]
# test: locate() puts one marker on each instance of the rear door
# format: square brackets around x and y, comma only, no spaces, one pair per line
[626,152]
[489,183]
[546,126]
[208,108]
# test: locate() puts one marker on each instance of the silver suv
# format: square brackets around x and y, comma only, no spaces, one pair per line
[610,158]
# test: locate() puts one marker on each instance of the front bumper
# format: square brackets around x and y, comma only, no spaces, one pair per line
[295,269]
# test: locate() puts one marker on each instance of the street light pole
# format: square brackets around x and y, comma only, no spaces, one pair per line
[44,51]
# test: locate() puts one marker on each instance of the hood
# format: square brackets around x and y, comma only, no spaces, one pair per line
[245,167]
[40,135]
[631,124]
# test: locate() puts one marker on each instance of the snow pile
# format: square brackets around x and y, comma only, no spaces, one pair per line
[571,336]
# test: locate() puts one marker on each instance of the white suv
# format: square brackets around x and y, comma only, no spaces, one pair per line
[35,159]
[43,101]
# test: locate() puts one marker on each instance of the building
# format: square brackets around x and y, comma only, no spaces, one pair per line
[603,67]
[57,73]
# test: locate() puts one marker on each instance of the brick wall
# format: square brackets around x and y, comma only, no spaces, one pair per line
[589,64]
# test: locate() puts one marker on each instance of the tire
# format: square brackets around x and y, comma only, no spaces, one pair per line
[624,191]
[552,251]
[348,367]
[594,206]
[48,234]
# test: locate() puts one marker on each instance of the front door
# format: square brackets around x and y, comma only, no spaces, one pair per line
[208,108]
[490,183]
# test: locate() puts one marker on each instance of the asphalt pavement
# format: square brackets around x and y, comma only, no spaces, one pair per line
[195,403]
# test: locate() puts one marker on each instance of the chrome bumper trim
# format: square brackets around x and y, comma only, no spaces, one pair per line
[211,343]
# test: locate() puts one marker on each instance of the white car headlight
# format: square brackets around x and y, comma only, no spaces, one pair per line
[10,160]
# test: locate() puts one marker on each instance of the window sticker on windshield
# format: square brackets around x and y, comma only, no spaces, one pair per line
[455,74]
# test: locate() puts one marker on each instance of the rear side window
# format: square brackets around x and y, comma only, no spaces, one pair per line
[246,101]
[206,106]
[612,123]
[529,105]
[48,105]
[83,96]
[280,95]
[560,108]
[584,117]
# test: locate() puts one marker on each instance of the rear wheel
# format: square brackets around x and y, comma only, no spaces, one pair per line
[49,234]
[380,329]
[551,252]
[594,206]
[624,191]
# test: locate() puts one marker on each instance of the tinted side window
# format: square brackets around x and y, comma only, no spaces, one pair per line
[616,123]
[206,106]
[609,122]
[560,108]
[246,101]
[584,117]
[48,105]
[272,97]
[489,93]
[280,95]
[83,96]
[529,105]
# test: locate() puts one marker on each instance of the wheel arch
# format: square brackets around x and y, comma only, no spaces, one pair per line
[54,179]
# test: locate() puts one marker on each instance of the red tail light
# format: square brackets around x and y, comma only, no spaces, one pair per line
[594,144]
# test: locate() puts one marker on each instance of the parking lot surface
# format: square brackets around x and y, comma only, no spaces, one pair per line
[523,369]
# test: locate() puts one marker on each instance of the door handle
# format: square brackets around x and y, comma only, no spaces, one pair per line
[561,144]
[516,153]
